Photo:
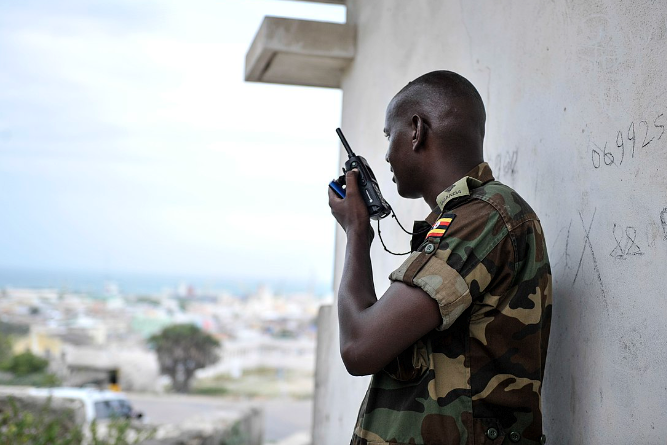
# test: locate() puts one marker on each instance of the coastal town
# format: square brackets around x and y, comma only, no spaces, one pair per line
[100,340]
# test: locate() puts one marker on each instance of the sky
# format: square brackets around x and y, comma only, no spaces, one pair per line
[129,142]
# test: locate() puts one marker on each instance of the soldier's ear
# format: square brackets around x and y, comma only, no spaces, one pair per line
[418,132]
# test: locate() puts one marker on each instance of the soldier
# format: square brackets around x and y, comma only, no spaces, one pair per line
[457,344]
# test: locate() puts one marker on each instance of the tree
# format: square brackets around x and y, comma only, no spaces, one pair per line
[25,363]
[181,350]
[5,349]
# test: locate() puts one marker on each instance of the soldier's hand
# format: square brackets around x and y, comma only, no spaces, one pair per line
[351,212]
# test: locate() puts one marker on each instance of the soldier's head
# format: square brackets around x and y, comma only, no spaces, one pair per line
[435,125]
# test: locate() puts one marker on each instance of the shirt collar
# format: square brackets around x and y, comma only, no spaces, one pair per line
[479,175]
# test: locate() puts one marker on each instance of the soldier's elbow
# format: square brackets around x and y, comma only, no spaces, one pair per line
[356,361]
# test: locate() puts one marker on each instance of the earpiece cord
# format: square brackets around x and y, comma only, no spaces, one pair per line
[385,247]
[393,214]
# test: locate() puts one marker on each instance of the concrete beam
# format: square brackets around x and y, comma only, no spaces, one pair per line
[300,52]
[337,2]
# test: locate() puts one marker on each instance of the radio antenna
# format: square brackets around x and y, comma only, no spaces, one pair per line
[350,153]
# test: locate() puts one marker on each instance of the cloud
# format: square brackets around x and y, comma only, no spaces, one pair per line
[128,137]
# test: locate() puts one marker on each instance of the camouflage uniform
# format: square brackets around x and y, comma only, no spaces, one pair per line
[477,378]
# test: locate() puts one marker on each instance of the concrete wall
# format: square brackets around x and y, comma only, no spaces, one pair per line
[138,367]
[562,80]
[240,426]
[337,394]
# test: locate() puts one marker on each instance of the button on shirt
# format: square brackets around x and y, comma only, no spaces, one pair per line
[477,378]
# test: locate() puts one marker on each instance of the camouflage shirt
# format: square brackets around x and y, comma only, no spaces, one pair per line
[477,378]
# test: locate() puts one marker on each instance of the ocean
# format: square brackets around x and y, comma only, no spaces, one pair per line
[98,283]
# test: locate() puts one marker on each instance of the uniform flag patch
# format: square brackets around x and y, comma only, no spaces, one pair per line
[440,227]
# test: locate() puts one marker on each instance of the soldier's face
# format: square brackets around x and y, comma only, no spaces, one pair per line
[398,131]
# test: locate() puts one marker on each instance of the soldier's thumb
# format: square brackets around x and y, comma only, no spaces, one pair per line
[351,181]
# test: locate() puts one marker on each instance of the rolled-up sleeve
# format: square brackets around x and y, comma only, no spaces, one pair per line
[474,250]
[442,283]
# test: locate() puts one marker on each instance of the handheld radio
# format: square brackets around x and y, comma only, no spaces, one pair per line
[378,208]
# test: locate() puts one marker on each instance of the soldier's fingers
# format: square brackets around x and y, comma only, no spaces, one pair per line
[351,182]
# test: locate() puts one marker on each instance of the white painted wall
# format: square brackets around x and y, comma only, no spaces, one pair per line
[561,79]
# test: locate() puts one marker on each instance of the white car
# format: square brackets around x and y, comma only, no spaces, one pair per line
[98,405]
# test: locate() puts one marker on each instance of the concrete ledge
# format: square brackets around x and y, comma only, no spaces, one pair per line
[245,427]
[337,2]
[300,52]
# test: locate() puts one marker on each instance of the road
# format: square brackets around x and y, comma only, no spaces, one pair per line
[282,417]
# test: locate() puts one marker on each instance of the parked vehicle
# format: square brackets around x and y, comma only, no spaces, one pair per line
[98,404]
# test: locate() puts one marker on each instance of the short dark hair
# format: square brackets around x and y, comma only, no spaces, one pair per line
[440,87]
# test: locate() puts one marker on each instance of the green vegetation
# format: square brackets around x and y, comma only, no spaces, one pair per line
[5,349]
[40,380]
[259,382]
[210,390]
[26,369]
[48,427]
[24,364]
[235,436]
[40,428]
[181,350]
[119,432]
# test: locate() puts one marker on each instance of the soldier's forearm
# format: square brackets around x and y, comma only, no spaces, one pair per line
[356,293]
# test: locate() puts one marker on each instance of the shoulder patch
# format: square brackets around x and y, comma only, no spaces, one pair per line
[441,226]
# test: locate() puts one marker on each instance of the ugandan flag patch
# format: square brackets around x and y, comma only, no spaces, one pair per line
[440,227]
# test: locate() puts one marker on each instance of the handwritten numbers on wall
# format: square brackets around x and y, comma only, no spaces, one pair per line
[505,164]
[608,157]
[637,136]
[626,242]
[657,125]
[625,238]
